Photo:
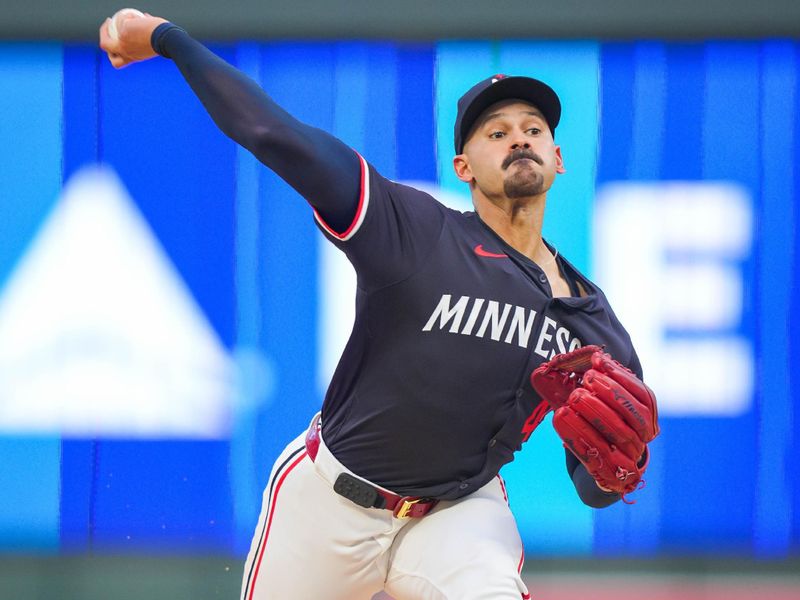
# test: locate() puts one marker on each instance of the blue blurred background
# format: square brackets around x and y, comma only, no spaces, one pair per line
[169,314]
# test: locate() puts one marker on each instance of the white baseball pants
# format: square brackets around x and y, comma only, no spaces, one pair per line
[313,544]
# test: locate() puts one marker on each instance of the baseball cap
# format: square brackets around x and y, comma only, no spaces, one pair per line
[503,87]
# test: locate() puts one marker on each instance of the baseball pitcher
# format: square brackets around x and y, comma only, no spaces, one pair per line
[469,329]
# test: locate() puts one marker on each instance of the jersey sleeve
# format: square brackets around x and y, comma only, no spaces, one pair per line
[320,167]
[635,365]
[585,485]
[628,357]
[393,231]
[385,229]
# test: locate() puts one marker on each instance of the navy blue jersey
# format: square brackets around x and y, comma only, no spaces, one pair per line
[432,395]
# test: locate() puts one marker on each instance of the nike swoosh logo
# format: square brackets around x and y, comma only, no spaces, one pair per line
[481,252]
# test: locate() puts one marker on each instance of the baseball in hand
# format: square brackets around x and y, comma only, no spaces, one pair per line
[117,19]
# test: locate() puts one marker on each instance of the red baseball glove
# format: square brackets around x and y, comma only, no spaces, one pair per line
[604,414]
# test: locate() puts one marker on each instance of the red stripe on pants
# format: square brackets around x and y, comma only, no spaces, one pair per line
[269,521]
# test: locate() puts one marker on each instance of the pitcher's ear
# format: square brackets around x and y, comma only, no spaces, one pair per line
[560,169]
[462,168]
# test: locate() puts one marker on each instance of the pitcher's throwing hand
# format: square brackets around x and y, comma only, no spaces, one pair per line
[133,38]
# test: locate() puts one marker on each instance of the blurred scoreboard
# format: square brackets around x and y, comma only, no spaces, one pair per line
[170,316]
[672,258]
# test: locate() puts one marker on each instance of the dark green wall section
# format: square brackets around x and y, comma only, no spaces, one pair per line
[218,578]
[419,19]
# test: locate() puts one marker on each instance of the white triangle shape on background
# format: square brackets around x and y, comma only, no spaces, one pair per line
[99,335]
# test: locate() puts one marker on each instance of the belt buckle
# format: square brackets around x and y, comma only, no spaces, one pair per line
[404,507]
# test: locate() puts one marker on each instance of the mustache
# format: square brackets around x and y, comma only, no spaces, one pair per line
[521,153]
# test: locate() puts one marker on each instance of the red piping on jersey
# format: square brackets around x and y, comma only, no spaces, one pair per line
[363,201]
[269,521]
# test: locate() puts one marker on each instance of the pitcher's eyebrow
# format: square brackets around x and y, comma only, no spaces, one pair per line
[533,113]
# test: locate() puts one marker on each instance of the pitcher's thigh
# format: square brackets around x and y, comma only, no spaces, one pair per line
[310,542]
[464,550]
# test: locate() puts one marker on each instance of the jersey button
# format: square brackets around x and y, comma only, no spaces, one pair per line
[543,278]
[519,393]
[463,486]
[492,443]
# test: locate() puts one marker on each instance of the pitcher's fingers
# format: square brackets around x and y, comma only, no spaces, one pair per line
[122,20]
[117,60]
[107,43]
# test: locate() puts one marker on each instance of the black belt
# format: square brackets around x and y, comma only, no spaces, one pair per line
[366,495]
